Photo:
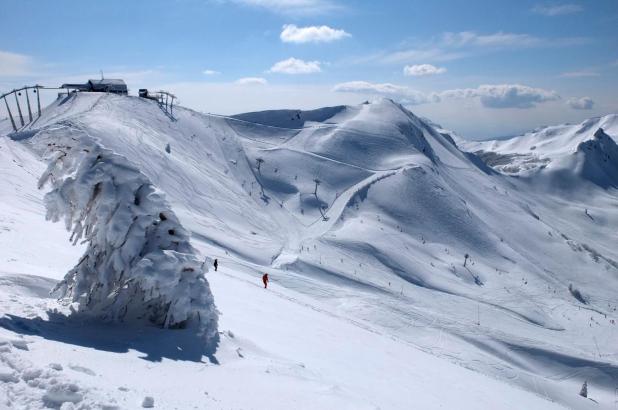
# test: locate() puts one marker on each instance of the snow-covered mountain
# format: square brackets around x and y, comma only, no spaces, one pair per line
[404,269]
[585,150]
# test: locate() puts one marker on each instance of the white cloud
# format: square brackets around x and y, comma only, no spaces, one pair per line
[490,96]
[453,46]
[295,66]
[210,72]
[364,86]
[584,103]
[412,55]
[503,95]
[311,34]
[422,70]
[294,7]
[502,40]
[552,10]
[576,74]
[499,39]
[251,81]
[13,64]
[405,94]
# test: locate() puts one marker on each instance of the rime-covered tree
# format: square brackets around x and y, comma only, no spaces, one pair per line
[139,263]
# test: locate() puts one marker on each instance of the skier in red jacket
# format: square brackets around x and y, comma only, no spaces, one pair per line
[265,280]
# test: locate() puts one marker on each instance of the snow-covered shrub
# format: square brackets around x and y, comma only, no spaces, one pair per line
[139,263]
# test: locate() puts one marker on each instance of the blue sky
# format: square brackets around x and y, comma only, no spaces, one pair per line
[481,68]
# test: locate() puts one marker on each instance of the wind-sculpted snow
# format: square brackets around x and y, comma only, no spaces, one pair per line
[139,263]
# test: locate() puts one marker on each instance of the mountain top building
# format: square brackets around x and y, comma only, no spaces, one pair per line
[106,85]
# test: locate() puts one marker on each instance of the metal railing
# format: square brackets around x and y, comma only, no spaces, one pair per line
[18,93]
[166,102]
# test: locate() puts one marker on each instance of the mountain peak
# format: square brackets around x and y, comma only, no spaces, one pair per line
[600,134]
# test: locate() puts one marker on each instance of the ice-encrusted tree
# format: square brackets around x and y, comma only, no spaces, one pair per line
[139,263]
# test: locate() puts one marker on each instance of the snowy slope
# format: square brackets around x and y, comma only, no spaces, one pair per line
[374,303]
[542,147]
[22,219]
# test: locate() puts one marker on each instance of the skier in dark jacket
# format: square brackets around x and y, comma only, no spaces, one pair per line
[216,264]
[265,280]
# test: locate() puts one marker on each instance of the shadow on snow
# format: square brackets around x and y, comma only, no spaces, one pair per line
[155,343]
